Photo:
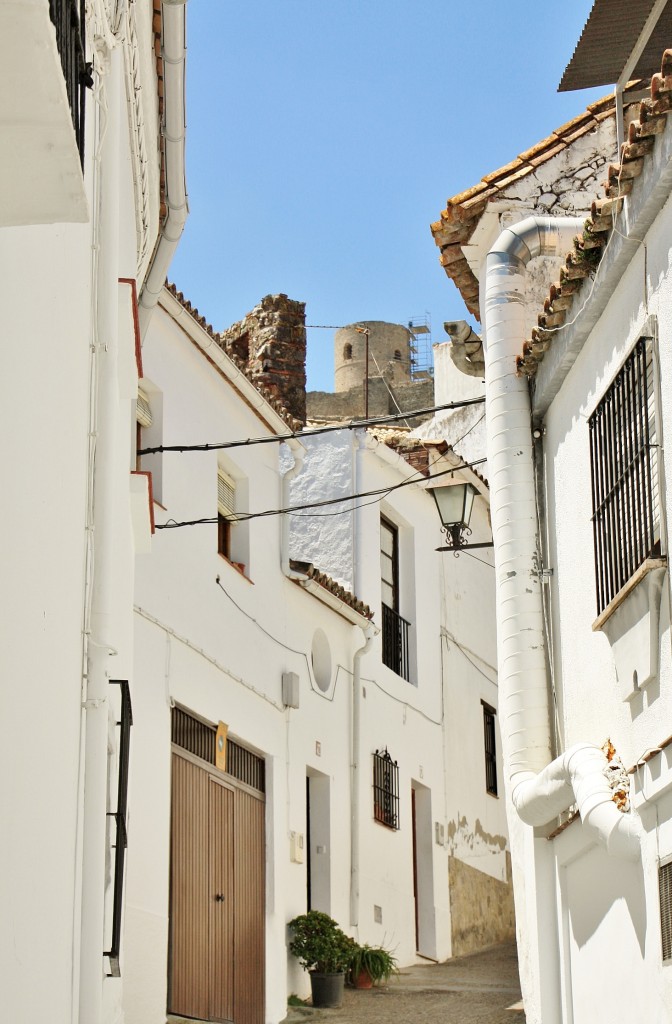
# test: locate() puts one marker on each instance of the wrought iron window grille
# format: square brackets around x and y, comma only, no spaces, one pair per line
[68,20]
[121,839]
[624,474]
[385,789]
[395,643]
[489,716]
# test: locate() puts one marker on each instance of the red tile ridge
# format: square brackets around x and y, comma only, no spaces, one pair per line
[584,257]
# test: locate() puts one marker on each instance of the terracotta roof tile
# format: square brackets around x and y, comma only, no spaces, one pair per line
[463,211]
[588,248]
[309,570]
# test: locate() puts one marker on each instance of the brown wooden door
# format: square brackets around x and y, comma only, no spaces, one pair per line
[189,887]
[221,897]
[217,920]
[250,918]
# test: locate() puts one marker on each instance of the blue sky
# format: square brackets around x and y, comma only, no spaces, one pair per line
[323,138]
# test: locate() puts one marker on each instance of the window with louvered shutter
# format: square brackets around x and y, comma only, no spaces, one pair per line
[665,896]
[226,510]
[226,495]
[143,409]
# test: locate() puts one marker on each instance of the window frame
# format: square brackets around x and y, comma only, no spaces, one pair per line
[395,640]
[490,748]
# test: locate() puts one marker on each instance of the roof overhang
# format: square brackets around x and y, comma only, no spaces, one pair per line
[610,37]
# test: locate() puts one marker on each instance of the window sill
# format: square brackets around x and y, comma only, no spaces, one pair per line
[645,568]
[632,625]
[238,566]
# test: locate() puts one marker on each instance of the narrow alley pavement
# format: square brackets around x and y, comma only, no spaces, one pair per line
[479,989]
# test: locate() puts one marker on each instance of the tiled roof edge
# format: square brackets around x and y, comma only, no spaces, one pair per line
[463,211]
[332,586]
[293,424]
[586,254]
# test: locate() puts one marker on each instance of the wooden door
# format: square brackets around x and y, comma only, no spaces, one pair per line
[249,942]
[189,886]
[221,902]
[202,896]
[217,918]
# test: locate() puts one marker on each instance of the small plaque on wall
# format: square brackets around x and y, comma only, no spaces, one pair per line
[220,746]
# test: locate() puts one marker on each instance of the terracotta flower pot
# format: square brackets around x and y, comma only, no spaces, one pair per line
[363,980]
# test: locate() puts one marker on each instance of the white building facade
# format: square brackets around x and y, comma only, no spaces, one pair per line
[348,784]
[81,232]
[578,471]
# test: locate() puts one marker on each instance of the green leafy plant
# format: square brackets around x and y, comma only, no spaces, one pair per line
[376,961]
[319,944]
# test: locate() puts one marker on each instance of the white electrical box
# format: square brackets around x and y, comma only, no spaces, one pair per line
[290,689]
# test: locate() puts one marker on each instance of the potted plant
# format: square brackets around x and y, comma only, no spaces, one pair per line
[370,965]
[324,950]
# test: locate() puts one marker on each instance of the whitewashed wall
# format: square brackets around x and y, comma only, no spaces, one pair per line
[47,323]
[605,903]
[211,651]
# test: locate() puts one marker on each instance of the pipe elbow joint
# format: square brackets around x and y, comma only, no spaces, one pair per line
[619,833]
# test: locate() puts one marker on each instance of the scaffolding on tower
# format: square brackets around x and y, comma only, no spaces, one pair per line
[422,365]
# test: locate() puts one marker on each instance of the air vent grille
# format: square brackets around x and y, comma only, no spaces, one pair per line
[199,738]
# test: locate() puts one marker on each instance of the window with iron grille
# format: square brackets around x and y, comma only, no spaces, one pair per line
[68,20]
[489,718]
[385,789]
[624,474]
[120,842]
[395,628]
[665,896]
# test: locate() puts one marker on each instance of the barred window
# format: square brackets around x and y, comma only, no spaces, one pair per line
[489,715]
[624,474]
[385,789]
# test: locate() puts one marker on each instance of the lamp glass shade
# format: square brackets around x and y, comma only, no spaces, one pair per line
[454,503]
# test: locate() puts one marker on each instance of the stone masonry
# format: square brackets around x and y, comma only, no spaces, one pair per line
[270,344]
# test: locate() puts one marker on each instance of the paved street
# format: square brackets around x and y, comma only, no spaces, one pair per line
[478,989]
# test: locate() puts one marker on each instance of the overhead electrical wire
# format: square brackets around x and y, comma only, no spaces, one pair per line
[243,517]
[313,432]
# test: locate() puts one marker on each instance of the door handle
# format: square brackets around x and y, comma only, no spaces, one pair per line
[219,897]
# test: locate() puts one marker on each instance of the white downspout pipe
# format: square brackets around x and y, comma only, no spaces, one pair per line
[100,647]
[174,132]
[369,634]
[539,790]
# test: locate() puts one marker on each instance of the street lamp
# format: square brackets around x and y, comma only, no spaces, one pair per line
[454,503]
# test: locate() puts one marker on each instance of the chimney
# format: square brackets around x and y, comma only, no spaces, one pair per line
[270,342]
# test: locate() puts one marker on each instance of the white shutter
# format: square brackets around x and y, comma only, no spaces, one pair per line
[226,495]
[143,410]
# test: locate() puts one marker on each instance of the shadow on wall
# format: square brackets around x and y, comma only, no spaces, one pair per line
[601,887]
